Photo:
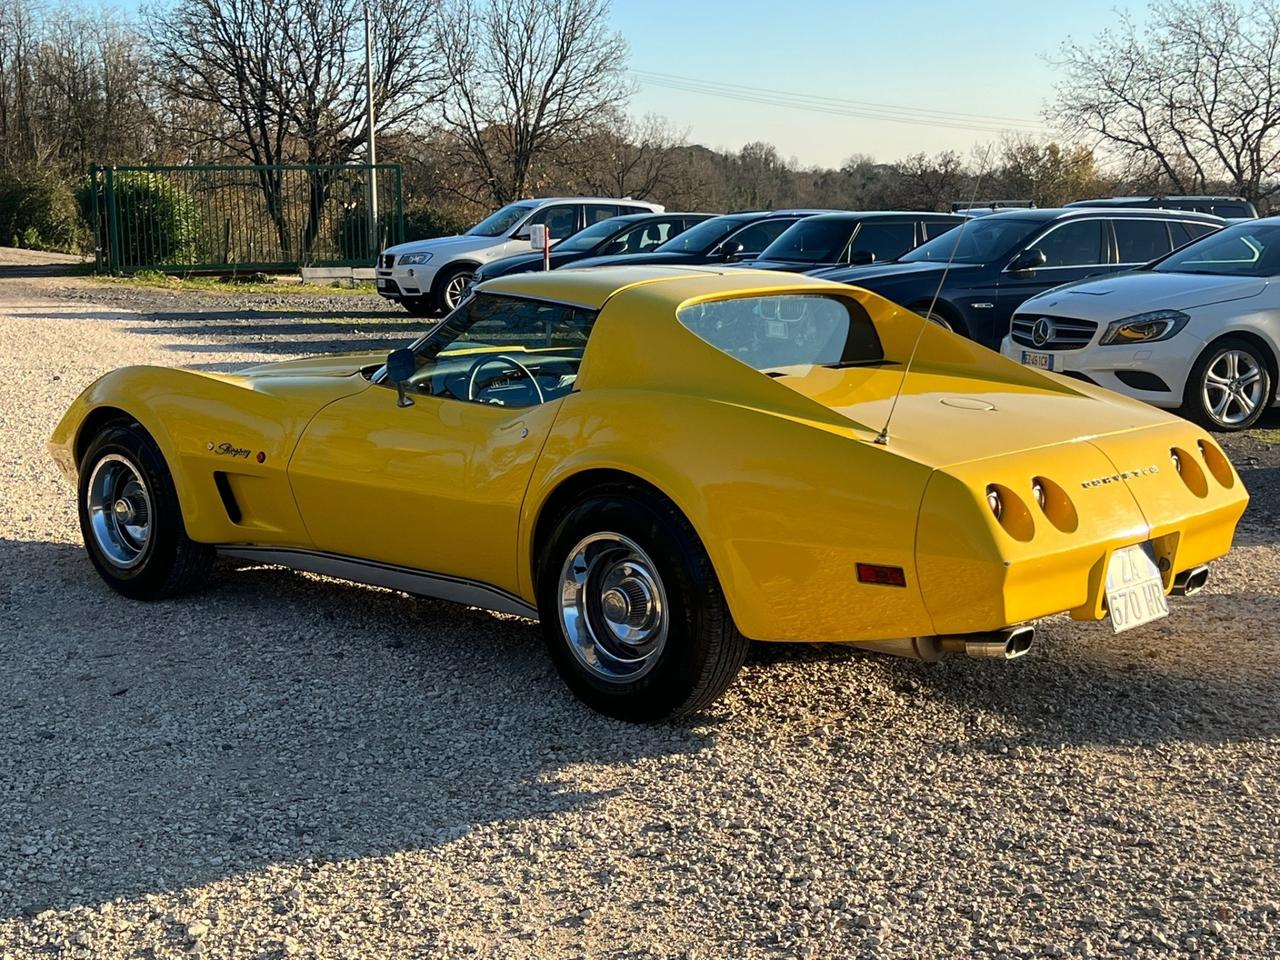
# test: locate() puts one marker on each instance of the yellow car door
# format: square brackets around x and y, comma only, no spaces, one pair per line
[436,486]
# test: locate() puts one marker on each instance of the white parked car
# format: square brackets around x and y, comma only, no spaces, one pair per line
[432,276]
[1198,329]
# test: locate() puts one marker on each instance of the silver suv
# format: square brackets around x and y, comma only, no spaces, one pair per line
[432,276]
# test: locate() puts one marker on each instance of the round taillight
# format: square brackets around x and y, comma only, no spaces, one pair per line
[1037,491]
[995,502]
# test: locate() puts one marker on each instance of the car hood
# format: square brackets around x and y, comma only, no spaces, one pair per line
[327,365]
[1127,294]
[895,270]
[444,245]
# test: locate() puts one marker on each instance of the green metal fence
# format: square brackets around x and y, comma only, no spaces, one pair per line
[222,219]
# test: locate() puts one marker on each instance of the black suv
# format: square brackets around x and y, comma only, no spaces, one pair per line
[1229,208]
[837,239]
[983,271]
[730,237]
[635,233]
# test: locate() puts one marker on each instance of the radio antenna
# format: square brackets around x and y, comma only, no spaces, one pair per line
[882,437]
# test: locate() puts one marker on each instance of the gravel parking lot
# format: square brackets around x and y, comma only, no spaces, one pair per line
[290,766]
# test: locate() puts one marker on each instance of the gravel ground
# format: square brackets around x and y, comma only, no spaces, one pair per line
[292,766]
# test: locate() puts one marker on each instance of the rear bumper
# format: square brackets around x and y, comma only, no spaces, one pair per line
[978,573]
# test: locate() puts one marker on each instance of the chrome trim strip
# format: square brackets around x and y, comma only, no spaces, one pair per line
[405,579]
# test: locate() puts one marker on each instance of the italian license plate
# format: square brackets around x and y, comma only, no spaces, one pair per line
[383,284]
[1135,590]
[1042,360]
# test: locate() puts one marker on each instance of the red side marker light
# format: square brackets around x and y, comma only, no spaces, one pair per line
[881,576]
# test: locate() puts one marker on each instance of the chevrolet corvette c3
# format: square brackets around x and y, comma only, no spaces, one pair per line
[661,464]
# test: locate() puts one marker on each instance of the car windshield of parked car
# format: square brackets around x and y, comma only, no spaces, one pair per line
[810,241]
[702,237]
[1245,250]
[776,334]
[500,223]
[509,351]
[976,241]
[589,238]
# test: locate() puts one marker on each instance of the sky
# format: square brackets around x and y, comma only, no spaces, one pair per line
[973,57]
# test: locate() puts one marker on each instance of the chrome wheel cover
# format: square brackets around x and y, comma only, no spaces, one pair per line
[1232,388]
[120,512]
[455,290]
[613,608]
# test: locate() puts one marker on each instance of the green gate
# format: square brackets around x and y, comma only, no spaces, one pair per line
[224,219]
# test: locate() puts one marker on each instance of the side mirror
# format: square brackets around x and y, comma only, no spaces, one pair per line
[860,258]
[401,366]
[1030,259]
[730,249]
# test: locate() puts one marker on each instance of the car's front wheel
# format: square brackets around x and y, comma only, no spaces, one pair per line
[1229,387]
[131,520]
[452,286]
[632,612]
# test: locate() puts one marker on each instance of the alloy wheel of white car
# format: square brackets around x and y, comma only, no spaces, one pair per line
[1230,386]
[1233,387]
[455,289]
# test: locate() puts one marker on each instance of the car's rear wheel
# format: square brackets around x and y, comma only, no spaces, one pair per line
[451,287]
[632,611]
[1229,387]
[131,520]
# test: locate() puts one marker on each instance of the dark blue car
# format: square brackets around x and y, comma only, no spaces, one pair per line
[841,239]
[634,233]
[723,239]
[983,271]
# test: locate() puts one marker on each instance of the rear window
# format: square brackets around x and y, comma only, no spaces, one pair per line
[790,330]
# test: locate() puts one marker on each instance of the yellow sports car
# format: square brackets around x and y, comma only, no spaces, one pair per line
[660,463]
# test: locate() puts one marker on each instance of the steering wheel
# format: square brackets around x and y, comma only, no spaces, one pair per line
[501,358]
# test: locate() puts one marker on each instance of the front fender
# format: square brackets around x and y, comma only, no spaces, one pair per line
[206,425]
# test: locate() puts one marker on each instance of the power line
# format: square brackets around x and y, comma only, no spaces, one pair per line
[833,106]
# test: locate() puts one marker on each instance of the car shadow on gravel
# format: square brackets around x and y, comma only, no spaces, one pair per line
[1147,688]
[273,719]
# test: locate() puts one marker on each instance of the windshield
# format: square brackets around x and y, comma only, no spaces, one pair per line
[776,333]
[701,238]
[811,241]
[506,351]
[589,238]
[500,223]
[1244,250]
[975,241]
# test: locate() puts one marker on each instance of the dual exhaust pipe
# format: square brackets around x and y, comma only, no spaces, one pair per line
[998,644]
[1190,582]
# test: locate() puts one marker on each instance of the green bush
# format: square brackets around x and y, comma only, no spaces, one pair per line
[424,223]
[38,211]
[157,222]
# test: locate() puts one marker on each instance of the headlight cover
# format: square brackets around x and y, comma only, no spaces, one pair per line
[1145,327]
[408,259]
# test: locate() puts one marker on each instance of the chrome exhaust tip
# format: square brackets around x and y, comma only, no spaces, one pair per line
[1190,582]
[999,644]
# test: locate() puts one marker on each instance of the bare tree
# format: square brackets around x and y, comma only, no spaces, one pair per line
[1193,98]
[929,183]
[285,81]
[626,158]
[527,78]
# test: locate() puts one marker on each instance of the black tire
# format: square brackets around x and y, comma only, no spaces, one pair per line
[448,278]
[1196,406]
[169,562]
[703,649]
[418,306]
